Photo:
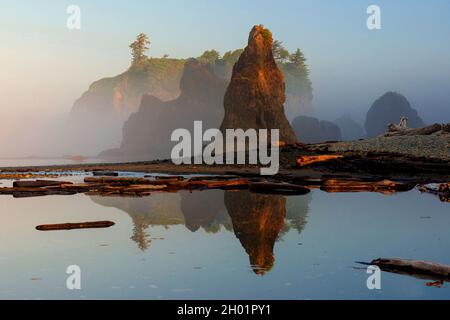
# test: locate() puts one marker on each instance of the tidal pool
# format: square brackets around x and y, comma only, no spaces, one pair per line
[221,245]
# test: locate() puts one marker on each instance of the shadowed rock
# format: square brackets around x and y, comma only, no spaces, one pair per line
[146,134]
[350,129]
[390,108]
[312,130]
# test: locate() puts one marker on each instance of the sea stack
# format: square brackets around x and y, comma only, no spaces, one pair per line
[256,94]
[390,108]
[146,134]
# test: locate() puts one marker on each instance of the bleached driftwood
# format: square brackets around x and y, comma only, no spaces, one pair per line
[396,130]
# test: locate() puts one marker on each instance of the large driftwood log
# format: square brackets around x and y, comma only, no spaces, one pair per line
[425,269]
[395,130]
[71,226]
[38,183]
[128,180]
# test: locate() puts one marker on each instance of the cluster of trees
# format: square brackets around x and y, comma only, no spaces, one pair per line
[281,55]
[213,57]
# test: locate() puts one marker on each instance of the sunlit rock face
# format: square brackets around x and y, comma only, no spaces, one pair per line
[146,134]
[256,94]
[312,130]
[390,108]
[257,221]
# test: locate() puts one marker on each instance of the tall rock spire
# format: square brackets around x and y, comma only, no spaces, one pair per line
[256,94]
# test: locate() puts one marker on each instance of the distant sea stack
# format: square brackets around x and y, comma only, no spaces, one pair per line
[256,94]
[350,129]
[146,134]
[312,130]
[390,108]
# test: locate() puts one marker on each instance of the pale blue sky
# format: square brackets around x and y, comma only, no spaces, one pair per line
[46,67]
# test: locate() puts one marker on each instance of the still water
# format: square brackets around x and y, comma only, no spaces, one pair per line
[221,245]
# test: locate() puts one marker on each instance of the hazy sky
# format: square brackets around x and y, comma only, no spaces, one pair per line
[45,67]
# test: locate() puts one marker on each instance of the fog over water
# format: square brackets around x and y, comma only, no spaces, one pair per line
[45,67]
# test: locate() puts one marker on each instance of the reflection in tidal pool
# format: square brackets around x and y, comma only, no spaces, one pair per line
[223,245]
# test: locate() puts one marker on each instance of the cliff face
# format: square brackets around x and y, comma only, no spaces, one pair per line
[121,95]
[390,108]
[312,130]
[146,134]
[256,94]
[97,117]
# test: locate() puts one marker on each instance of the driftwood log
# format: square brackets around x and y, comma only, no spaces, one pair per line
[72,226]
[417,268]
[105,174]
[384,186]
[278,188]
[308,160]
[38,183]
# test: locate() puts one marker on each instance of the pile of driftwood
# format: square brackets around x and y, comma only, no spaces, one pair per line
[139,187]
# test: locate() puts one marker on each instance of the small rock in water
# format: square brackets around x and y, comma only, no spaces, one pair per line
[105,174]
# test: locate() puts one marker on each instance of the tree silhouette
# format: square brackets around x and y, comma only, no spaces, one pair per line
[138,48]
[299,60]
[280,54]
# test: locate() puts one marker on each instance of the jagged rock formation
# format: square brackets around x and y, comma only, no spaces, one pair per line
[257,222]
[350,129]
[146,134]
[390,108]
[256,94]
[312,130]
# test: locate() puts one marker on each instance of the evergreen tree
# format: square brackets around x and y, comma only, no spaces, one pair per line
[138,49]
[280,54]
[299,60]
